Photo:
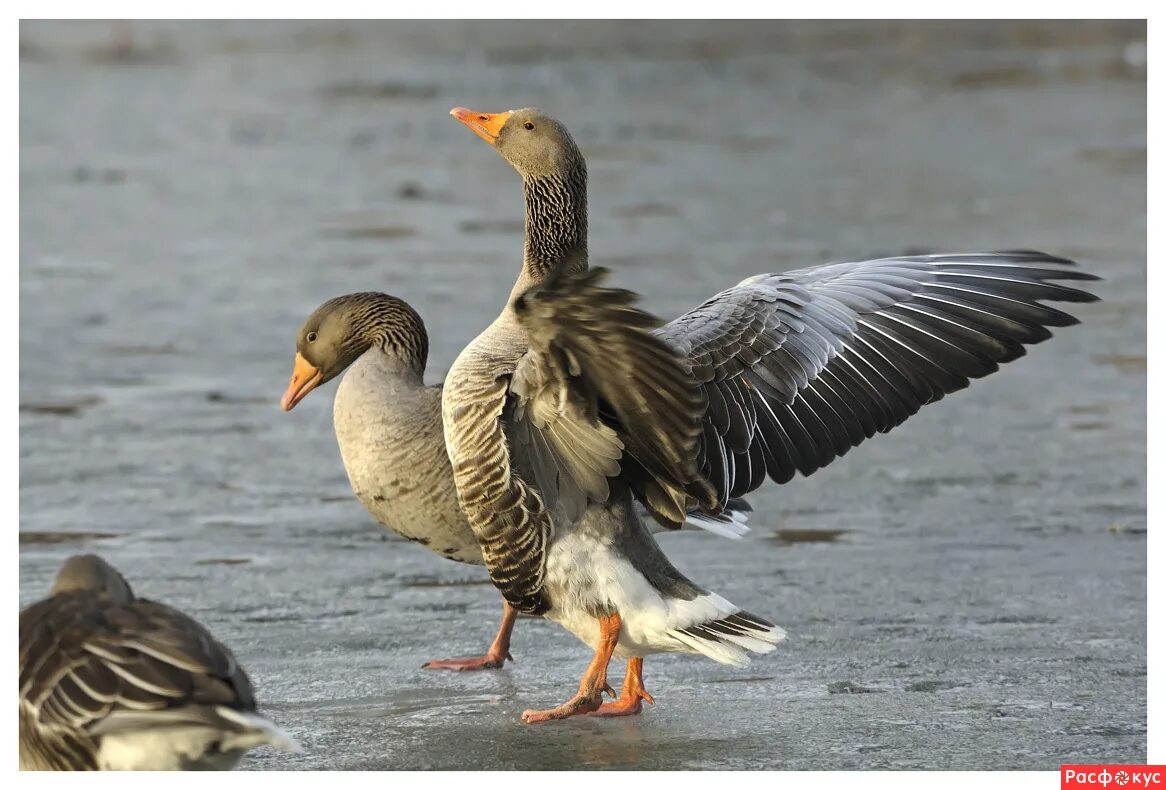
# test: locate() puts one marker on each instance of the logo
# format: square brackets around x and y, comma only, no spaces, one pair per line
[1136,777]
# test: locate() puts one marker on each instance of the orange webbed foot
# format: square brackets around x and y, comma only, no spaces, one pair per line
[576,706]
[594,684]
[488,661]
[633,694]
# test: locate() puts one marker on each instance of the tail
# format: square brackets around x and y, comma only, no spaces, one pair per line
[730,635]
[239,729]
[251,730]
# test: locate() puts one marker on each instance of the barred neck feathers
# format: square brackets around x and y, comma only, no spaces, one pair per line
[392,326]
[556,221]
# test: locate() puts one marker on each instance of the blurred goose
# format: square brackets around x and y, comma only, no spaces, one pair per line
[388,427]
[571,405]
[109,681]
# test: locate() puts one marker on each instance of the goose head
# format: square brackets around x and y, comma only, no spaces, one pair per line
[90,573]
[341,330]
[534,143]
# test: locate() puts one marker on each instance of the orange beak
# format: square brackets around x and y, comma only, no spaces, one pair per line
[486,125]
[304,379]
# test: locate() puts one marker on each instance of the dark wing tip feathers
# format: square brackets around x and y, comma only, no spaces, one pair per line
[1045,257]
[891,335]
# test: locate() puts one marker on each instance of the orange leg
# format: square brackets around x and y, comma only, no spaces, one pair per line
[594,682]
[495,657]
[630,695]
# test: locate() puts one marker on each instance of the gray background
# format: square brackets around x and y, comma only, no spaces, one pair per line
[189,192]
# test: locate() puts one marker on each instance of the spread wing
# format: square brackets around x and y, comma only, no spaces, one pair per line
[800,367]
[596,395]
[86,660]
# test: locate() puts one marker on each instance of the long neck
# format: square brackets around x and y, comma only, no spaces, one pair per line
[556,222]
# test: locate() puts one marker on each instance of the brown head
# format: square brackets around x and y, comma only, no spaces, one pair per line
[90,573]
[341,330]
[537,145]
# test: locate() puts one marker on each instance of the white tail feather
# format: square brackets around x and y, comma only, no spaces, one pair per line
[723,632]
[755,644]
[718,651]
[256,731]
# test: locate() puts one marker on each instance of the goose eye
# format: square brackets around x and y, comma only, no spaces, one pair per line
[528,126]
[311,337]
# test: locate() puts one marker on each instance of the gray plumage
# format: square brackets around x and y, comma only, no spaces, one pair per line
[387,420]
[793,370]
[796,368]
[588,349]
[388,423]
[801,366]
[112,681]
[553,446]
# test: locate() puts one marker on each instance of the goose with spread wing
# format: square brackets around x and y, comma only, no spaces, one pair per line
[387,422]
[110,681]
[562,411]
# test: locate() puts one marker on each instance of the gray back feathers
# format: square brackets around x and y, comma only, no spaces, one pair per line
[96,661]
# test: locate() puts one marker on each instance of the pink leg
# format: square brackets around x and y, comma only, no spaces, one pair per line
[495,657]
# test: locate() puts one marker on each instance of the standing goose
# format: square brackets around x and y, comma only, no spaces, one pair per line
[109,681]
[561,410]
[388,427]
[550,452]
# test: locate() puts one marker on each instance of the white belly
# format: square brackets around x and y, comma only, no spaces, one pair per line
[585,576]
